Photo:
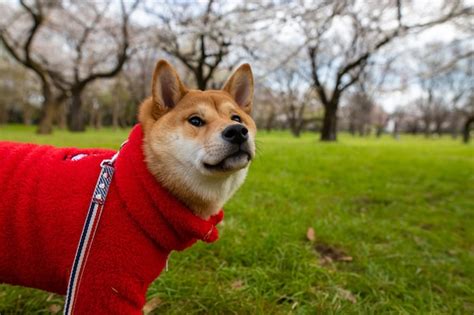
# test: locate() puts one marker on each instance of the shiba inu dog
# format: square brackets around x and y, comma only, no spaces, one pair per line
[189,153]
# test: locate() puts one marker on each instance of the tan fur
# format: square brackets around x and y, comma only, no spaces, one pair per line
[175,150]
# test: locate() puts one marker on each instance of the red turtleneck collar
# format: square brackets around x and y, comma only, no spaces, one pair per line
[162,217]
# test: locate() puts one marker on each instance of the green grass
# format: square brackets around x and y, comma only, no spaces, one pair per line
[403,210]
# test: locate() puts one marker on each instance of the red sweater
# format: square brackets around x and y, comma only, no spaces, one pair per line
[44,197]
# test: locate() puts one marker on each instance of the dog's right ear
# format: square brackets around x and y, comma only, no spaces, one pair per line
[240,87]
[167,88]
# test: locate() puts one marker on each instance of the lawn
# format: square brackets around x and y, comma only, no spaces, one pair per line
[362,226]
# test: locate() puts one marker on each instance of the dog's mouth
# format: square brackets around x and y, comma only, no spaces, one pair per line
[232,162]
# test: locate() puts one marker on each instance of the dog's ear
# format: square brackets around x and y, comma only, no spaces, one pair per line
[167,88]
[240,87]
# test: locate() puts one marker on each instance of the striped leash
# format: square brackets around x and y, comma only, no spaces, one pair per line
[88,231]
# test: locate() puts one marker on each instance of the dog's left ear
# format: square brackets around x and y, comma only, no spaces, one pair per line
[167,88]
[240,87]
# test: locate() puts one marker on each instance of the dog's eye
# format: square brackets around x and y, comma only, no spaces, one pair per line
[196,121]
[236,118]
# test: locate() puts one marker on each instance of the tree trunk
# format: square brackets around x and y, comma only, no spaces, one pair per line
[454,129]
[296,132]
[329,130]
[367,130]
[438,128]
[115,114]
[270,121]
[3,114]
[200,80]
[379,131]
[427,130]
[352,127]
[467,129]
[27,114]
[396,134]
[92,117]
[98,119]
[201,83]
[61,116]
[299,127]
[76,120]
[48,111]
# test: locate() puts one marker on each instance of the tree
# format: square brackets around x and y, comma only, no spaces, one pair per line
[342,36]
[361,107]
[89,27]
[21,49]
[268,109]
[468,124]
[19,91]
[424,106]
[201,36]
[76,32]
[362,111]
[297,99]
[445,75]
[398,115]
[380,119]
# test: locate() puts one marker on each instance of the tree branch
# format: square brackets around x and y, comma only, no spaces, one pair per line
[122,55]
[83,39]
[363,58]
[314,73]
[37,21]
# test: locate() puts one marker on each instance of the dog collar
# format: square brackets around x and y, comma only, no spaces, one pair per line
[90,227]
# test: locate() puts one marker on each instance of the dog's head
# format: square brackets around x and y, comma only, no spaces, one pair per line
[199,144]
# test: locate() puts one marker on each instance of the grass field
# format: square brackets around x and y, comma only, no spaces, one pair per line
[393,226]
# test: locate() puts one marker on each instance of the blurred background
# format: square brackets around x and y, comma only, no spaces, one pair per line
[366,67]
[379,222]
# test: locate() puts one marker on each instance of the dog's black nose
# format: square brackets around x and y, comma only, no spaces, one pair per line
[236,134]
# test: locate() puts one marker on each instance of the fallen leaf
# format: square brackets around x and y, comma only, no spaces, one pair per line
[347,295]
[452,252]
[325,260]
[345,258]
[427,226]
[330,253]
[54,308]
[310,234]
[237,284]
[151,305]
[418,241]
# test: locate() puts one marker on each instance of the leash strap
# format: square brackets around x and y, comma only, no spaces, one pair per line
[88,231]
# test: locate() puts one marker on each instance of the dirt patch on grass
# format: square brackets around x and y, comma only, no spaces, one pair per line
[427,226]
[362,203]
[330,253]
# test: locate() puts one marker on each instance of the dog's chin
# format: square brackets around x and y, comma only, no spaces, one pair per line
[229,164]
